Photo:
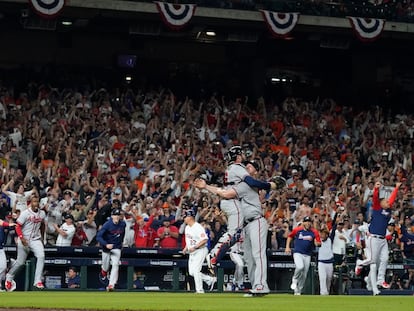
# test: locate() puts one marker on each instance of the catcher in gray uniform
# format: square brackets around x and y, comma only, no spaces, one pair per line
[255,230]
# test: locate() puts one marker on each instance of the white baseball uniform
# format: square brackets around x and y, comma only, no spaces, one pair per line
[236,255]
[193,235]
[30,223]
[325,266]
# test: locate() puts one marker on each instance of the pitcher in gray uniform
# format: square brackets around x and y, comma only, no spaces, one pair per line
[231,207]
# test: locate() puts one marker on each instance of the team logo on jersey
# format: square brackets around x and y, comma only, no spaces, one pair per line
[385,212]
[35,219]
[305,237]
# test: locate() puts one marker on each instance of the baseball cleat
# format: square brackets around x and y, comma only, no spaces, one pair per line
[384,285]
[10,285]
[368,282]
[294,284]
[110,288]
[39,285]
[375,292]
[103,279]
[213,282]
[254,294]
[297,294]
[358,270]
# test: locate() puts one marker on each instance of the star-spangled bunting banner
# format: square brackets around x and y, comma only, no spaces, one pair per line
[175,16]
[47,8]
[367,29]
[280,24]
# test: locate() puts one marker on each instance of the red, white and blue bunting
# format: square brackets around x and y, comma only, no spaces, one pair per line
[280,24]
[367,29]
[47,8]
[176,16]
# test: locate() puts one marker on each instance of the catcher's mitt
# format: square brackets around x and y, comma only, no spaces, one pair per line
[279,181]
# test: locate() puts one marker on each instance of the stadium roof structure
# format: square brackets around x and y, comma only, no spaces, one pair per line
[107,32]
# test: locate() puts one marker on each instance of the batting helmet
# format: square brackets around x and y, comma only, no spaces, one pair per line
[233,152]
[189,212]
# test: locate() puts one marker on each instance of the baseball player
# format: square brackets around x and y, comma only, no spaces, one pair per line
[110,238]
[255,232]
[306,238]
[325,262]
[3,259]
[234,174]
[376,244]
[196,246]
[236,255]
[30,229]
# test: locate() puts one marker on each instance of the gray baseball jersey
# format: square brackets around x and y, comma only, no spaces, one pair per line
[250,201]
[235,174]
[255,237]
[31,222]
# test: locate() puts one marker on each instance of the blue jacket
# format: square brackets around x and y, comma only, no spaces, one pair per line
[111,233]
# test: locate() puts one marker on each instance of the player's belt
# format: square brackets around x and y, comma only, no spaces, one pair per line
[377,236]
[249,220]
[229,183]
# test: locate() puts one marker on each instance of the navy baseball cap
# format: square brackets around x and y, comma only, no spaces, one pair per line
[116,211]
[307,218]
[69,216]
[189,212]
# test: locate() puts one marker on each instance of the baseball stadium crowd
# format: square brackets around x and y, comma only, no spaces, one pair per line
[87,152]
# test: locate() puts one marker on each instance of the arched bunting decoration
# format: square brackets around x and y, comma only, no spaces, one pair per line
[175,16]
[47,8]
[280,24]
[367,29]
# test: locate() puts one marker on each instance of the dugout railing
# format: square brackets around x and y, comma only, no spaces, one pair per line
[160,269]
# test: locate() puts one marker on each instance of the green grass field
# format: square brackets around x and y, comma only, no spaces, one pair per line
[190,301]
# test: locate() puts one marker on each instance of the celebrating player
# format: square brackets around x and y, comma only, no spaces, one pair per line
[3,259]
[235,173]
[110,237]
[196,246]
[30,230]
[306,238]
[376,244]
[255,232]
[325,261]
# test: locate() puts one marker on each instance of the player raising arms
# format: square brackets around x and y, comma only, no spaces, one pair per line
[376,251]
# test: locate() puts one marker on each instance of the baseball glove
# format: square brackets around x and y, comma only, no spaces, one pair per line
[279,181]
